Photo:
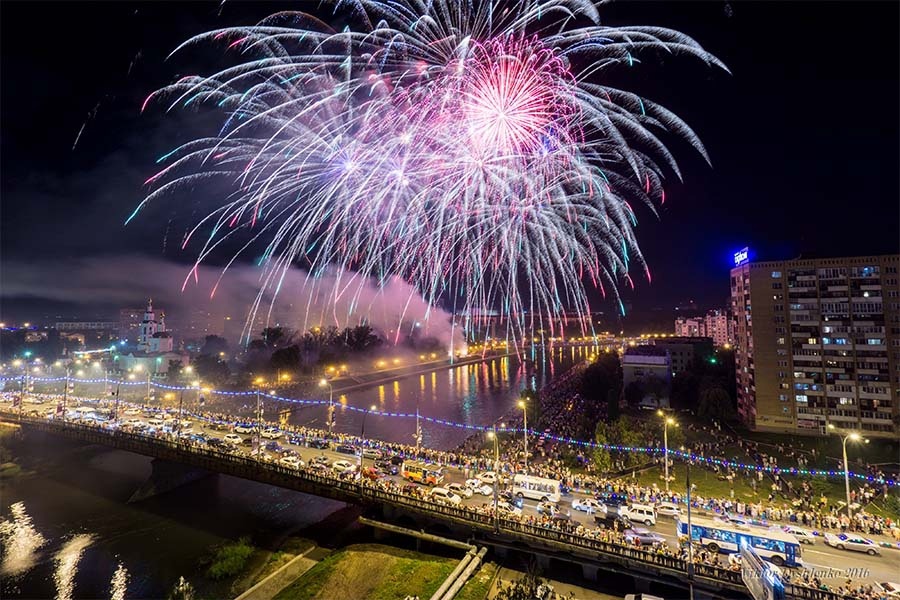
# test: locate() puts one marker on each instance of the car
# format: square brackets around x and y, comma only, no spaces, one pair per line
[852,542]
[460,490]
[345,449]
[891,589]
[611,521]
[271,433]
[611,500]
[219,425]
[639,513]
[274,447]
[396,460]
[321,460]
[588,505]
[215,442]
[668,509]
[132,412]
[233,438]
[387,467]
[343,466]
[319,467]
[318,444]
[804,536]
[132,421]
[487,477]
[244,428]
[478,487]
[155,423]
[291,461]
[371,453]
[185,425]
[444,496]
[505,509]
[511,498]
[546,507]
[248,441]
[639,536]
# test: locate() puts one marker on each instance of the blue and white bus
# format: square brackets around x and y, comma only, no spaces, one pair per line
[778,547]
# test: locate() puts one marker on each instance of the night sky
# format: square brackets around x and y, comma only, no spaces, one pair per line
[803,137]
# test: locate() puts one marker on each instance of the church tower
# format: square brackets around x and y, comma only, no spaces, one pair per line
[149,328]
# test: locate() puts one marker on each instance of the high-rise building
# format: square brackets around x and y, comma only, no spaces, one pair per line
[817,343]
[684,351]
[690,327]
[716,324]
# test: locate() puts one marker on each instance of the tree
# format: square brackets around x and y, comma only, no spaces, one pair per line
[613,411]
[634,393]
[714,404]
[286,359]
[175,372]
[274,336]
[601,457]
[214,345]
[211,369]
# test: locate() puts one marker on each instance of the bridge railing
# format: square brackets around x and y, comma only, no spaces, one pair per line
[251,468]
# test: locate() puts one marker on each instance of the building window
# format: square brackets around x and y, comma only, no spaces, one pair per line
[802,398]
[776,274]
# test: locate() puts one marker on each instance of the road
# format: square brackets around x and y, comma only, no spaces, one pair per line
[831,565]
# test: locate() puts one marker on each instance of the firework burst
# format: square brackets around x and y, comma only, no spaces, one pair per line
[450,143]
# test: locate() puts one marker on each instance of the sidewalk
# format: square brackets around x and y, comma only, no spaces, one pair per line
[269,587]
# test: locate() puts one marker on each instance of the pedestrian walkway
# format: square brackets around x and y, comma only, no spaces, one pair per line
[269,587]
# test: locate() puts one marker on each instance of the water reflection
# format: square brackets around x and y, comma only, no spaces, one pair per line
[67,560]
[119,583]
[21,541]
[474,394]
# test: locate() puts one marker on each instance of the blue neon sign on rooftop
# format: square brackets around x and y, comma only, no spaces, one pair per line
[742,257]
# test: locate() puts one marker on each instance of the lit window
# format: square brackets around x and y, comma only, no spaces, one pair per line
[776,274]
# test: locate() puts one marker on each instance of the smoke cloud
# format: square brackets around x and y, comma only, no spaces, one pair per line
[302,302]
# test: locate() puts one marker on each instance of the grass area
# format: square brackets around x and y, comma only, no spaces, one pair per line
[878,451]
[371,571]
[230,559]
[479,585]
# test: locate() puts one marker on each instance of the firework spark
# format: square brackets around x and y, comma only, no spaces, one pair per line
[471,148]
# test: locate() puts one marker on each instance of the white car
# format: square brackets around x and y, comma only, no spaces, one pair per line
[504,508]
[343,466]
[132,412]
[852,542]
[445,496]
[668,509]
[478,487]
[487,478]
[132,422]
[233,438]
[291,461]
[804,536]
[270,433]
[244,428]
[460,490]
[588,505]
[371,453]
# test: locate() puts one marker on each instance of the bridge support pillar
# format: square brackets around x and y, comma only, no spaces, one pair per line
[641,585]
[543,563]
[589,572]
[165,477]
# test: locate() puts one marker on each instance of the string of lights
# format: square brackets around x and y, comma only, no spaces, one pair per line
[683,455]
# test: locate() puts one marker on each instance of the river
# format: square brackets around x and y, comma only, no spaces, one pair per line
[67,525]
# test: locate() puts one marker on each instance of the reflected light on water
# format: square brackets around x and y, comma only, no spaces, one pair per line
[21,542]
[67,560]
[119,583]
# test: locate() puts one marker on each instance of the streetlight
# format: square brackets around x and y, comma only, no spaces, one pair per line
[856,438]
[362,435]
[259,381]
[325,383]
[666,422]
[524,408]
[492,435]
[690,565]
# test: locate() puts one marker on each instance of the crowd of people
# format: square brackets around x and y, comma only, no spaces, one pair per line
[547,462]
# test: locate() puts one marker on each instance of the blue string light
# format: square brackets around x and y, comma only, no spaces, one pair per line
[694,458]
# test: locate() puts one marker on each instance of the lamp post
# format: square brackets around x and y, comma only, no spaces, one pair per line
[259,381]
[524,408]
[690,565]
[666,422]
[493,435]
[362,435]
[418,430]
[856,438]
[325,383]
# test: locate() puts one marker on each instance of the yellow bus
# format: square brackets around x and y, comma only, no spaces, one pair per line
[422,473]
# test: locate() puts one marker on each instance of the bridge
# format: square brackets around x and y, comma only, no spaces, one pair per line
[503,534]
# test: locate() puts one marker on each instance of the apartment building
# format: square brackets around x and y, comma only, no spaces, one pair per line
[817,342]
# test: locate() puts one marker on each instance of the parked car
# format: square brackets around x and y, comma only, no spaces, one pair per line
[668,509]
[318,444]
[805,536]
[371,453]
[387,467]
[271,433]
[345,449]
[852,542]
[640,536]
[588,505]
[244,428]
[459,489]
[611,500]
[487,477]
[478,487]
[444,496]
[512,499]
[274,447]
[233,438]
[291,461]
[612,521]
[639,513]
[343,466]
[215,442]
